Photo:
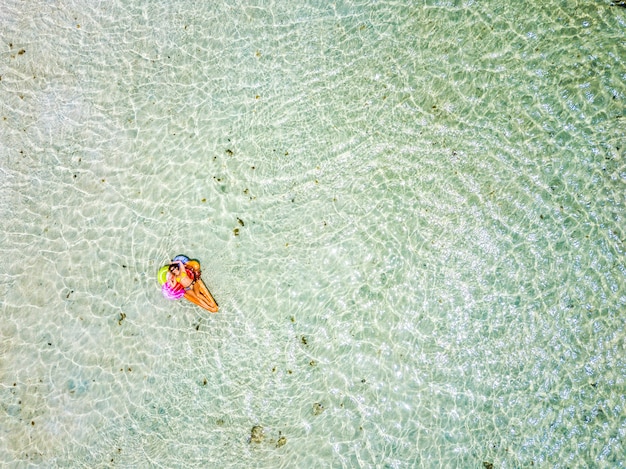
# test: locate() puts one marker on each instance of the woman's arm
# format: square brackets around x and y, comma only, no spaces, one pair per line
[170,279]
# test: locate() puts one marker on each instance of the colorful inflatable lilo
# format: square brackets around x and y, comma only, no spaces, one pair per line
[181,279]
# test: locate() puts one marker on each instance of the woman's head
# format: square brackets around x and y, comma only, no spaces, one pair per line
[174,268]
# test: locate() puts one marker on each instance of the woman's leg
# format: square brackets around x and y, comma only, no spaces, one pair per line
[192,296]
[202,291]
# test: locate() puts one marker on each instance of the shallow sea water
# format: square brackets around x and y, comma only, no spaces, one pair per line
[412,216]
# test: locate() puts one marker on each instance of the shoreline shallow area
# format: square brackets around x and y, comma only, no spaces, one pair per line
[411,216]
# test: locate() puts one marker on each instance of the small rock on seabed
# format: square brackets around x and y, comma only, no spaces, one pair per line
[257,435]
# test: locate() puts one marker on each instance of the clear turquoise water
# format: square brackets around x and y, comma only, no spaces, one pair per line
[429,264]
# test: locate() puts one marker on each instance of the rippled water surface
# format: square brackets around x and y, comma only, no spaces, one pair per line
[412,216]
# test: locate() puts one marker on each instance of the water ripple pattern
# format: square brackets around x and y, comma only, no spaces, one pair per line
[411,214]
